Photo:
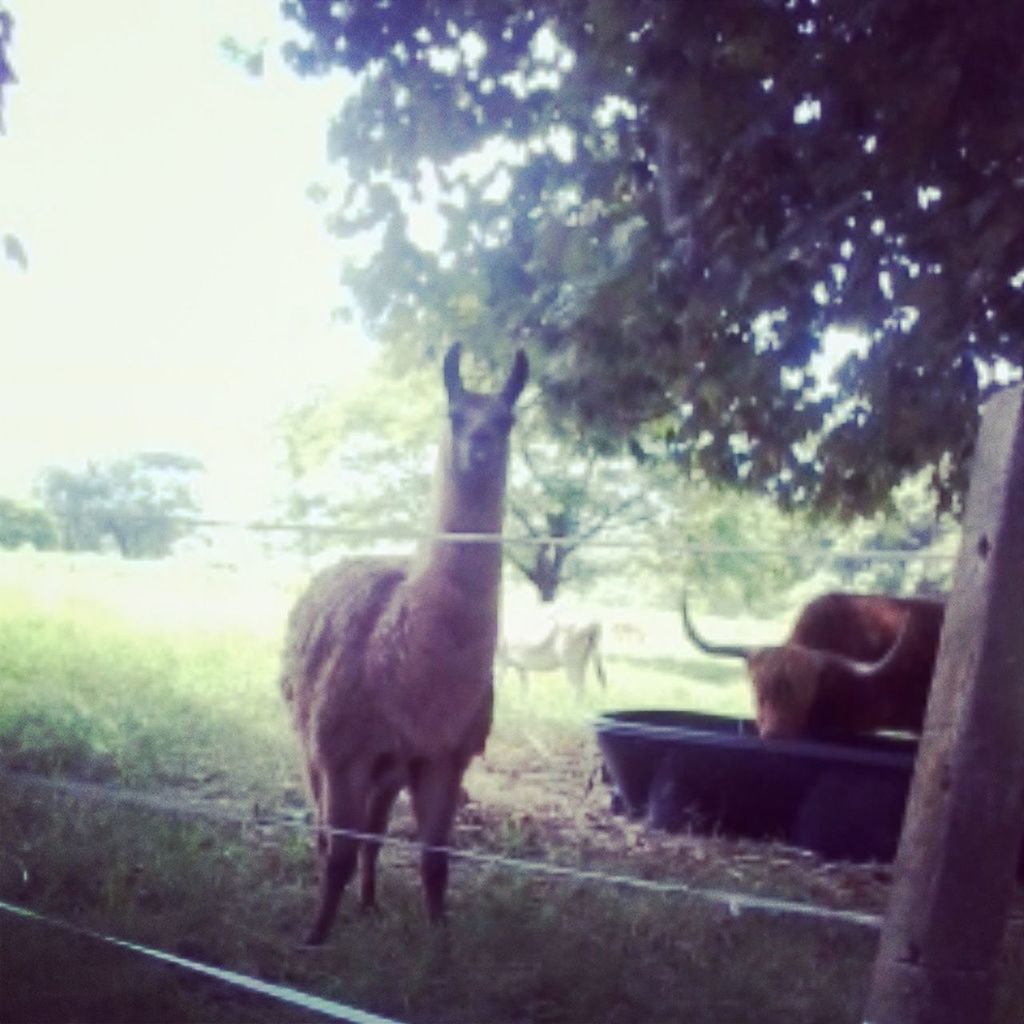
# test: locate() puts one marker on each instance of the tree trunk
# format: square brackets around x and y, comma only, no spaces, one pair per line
[938,953]
[546,572]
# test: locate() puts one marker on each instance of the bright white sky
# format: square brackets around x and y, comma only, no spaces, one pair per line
[180,284]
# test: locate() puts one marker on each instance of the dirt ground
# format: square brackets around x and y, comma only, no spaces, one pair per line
[556,808]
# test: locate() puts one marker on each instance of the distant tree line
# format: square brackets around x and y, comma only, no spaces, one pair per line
[24,525]
[132,505]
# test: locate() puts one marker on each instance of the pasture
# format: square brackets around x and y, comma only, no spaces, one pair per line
[161,680]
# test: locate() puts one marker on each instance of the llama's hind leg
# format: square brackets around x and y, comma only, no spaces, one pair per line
[321,831]
[340,811]
[382,799]
[434,785]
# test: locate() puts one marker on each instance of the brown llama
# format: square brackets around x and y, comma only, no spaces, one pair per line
[853,663]
[388,663]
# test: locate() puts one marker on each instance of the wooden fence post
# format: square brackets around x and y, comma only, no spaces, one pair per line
[937,957]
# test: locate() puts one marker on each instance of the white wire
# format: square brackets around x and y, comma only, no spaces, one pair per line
[733,901]
[682,547]
[407,535]
[282,993]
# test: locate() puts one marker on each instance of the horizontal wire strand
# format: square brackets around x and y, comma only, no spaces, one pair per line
[282,993]
[734,902]
[406,535]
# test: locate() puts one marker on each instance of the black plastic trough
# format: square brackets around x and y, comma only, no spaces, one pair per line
[844,800]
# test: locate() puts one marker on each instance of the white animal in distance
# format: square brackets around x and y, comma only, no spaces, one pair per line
[563,644]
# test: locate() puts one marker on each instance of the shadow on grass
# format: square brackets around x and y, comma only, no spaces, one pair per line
[51,975]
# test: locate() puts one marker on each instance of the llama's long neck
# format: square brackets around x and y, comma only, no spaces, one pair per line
[473,565]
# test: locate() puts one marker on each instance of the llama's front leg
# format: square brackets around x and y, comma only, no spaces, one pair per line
[341,808]
[434,786]
[381,801]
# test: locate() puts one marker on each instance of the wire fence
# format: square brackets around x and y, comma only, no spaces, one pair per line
[735,903]
[388,533]
[256,986]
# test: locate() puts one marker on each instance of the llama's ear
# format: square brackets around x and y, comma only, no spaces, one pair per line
[452,376]
[516,379]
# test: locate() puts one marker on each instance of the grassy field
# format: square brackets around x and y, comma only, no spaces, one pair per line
[162,681]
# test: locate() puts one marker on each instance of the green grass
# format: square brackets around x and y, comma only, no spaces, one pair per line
[85,694]
[517,948]
[93,688]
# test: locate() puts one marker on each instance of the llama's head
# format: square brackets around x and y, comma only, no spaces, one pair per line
[480,424]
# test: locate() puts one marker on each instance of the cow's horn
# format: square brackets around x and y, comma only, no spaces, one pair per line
[726,650]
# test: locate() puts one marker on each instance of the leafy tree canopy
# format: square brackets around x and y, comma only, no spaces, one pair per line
[365,461]
[670,201]
[12,248]
[134,502]
[6,70]
[740,552]
[563,495]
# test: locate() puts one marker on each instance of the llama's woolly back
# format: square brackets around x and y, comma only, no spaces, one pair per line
[358,641]
[328,629]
